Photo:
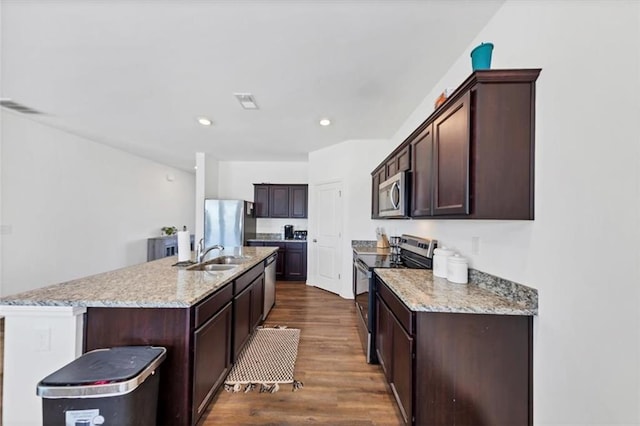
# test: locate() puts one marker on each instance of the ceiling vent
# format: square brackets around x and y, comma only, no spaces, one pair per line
[8,103]
[246,100]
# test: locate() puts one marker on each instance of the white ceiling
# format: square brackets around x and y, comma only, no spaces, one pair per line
[136,74]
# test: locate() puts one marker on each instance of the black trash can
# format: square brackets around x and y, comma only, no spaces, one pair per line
[115,386]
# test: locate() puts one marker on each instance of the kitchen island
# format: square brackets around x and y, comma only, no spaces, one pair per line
[187,311]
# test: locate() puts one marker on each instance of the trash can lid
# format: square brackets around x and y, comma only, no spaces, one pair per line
[103,366]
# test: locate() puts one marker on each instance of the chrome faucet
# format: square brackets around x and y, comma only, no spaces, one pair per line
[201,252]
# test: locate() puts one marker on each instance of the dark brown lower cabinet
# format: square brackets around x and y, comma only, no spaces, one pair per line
[402,369]
[291,264]
[257,302]
[455,368]
[248,305]
[211,363]
[384,337]
[199,339]
[395,354]
[280,274]
[241,321]
[295,268]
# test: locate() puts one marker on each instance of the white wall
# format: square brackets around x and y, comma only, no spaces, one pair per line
[236,179]
[200,195]
[1,122]
[587,200]
[76,207]
[581,252]
[211,179]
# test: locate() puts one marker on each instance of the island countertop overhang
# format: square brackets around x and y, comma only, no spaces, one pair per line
[156,284]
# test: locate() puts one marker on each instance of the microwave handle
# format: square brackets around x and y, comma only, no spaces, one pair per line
[394,187]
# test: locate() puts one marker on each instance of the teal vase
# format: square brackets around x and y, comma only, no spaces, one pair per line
[481,56]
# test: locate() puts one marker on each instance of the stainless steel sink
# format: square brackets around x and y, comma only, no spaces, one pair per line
[211,267]
[221,263]
[227,260]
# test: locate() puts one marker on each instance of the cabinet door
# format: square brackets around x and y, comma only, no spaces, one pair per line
[211,363]
[296,263]
[242,320]
[402,366]
[257,301]
[451,141]
[421,178]
[280,264]
[404,157]
[279,201]
[261,200]
[376,179]
[392,167]
[298,201]
[384,337]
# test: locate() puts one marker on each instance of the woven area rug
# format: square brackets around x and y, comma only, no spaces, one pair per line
[266,362]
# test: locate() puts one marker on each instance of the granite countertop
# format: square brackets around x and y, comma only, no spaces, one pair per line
[370,250]
[279,240]
[368,247]
[155,284]
[422,292]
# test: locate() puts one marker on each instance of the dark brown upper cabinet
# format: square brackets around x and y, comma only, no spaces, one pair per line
[473,157]
[298,201]
[450,161]
[421,187]
[261,200]
[377,177]
[280,201]
[398,163]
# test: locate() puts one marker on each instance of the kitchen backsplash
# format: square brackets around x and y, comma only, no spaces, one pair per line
[276,226]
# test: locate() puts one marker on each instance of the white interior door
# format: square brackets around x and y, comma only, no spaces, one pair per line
[327,237]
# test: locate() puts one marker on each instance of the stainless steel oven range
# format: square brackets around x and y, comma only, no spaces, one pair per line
[414,253]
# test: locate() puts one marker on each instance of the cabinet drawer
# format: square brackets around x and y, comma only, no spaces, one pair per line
[295,246]
[213,304]
[403,314]
[275,244]
[246,279]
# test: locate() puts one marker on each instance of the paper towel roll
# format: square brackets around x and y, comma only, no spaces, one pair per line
[184,246]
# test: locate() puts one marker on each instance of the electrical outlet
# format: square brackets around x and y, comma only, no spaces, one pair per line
[475,245]
[6,229]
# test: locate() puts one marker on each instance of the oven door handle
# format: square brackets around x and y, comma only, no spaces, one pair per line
[395,187]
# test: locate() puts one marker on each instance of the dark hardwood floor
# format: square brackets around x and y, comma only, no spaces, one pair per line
[340,388]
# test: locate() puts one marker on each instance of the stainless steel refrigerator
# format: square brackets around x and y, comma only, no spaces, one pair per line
[228,222]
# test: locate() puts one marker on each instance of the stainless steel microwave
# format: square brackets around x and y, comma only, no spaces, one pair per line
[392,196]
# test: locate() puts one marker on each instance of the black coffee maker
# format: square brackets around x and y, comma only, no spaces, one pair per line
[288,232]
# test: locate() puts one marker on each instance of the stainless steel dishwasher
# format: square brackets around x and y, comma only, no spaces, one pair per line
[269,284]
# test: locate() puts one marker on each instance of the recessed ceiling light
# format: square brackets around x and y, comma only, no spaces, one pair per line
[325,122]
[204,121]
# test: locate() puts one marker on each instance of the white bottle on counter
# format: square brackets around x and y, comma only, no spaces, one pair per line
[440,256]
[457,269]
